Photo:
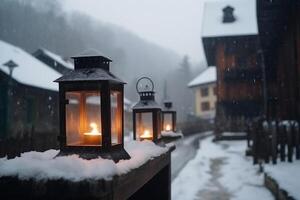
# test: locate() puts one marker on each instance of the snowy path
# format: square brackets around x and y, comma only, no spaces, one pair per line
[185,151]
[219,171]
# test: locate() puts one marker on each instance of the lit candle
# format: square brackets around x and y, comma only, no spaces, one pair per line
[94,136]
[168,127]
[146,135]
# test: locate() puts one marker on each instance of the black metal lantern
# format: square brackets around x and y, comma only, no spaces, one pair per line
[146,113]
[168,117]
[91,110]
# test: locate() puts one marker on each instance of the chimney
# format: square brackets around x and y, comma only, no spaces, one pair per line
[228,16]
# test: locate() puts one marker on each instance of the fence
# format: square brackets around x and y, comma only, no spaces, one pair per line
[270,140]
[12,147]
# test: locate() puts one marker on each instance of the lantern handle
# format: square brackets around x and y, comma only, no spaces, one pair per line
[144,78]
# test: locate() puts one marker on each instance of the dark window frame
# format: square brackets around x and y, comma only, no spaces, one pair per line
[204,92]
[205,106]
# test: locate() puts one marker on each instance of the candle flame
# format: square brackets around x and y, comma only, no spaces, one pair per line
[168,127]
[146,134]
[94,130]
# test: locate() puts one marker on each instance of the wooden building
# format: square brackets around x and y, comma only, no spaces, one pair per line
[28,102]
[53,60]
[279,34]
[231,43]
[204,88]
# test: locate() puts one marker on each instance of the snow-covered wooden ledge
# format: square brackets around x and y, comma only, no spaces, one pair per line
[41,176]
[170,136]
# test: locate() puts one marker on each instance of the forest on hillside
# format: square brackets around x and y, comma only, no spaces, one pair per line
[34,24]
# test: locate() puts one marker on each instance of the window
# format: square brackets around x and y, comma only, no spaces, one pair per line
[204,92]
[205,106]
[215,90]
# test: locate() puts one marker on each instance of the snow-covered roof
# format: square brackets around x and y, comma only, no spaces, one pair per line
[244,13]
[58,58]
[209,75]
[30,71]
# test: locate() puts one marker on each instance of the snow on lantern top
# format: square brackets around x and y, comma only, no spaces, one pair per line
[90,66]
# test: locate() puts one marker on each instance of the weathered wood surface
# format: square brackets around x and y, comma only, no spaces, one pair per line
[275,139]
[151,180]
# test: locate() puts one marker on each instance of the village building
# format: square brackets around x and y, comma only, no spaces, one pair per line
[28,101]
[231,43]
[204,87]
[53,60]
[279,35]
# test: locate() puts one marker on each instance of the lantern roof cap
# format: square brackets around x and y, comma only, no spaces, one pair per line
[168,105]
[146,104]
[89,74]
[92,53]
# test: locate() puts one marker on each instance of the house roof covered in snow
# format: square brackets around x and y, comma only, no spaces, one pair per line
[30,71]
[56,57]
[244,20]
[209,75]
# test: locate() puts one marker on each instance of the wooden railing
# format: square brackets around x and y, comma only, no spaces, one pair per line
[270,140]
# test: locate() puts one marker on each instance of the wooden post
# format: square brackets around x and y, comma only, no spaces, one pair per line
[265,148]
[255,142]
[248,135]
[282,133]
[289,142]
[297,139]
[274,127]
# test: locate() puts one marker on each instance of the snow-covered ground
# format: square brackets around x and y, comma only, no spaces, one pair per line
[220,171]
[44,165]
[186,149]
[287,176]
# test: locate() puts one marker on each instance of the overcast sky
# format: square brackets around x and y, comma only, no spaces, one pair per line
[174,24]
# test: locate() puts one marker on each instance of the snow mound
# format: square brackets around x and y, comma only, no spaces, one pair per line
[44,165]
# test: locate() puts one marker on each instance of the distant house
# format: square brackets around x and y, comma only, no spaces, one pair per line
[28,100]
[53,60]
[204,86]
[231,43]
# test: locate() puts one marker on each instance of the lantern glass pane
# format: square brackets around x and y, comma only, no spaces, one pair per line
[116,117]
[167,122]
[83,118]
[144,126]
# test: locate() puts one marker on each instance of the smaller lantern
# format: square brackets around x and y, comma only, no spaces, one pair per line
[146,113]
[168,117]
[91,110]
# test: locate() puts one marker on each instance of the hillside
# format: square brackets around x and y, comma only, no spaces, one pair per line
[33,24]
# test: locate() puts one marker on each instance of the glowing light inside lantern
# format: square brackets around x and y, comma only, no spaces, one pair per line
[146,134]
[94,130]
[168,127]
[93,137]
